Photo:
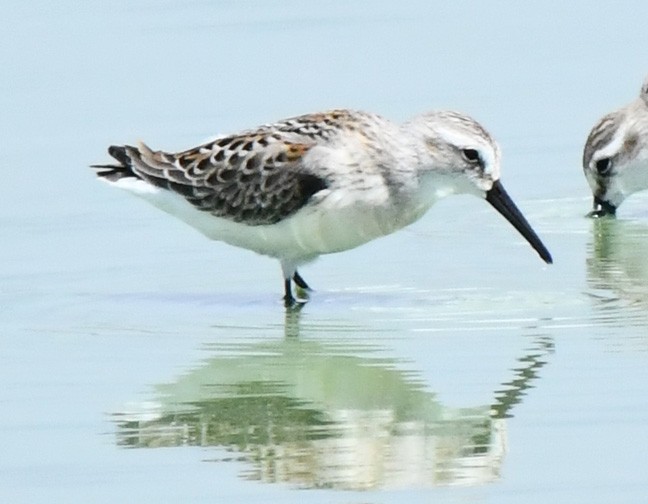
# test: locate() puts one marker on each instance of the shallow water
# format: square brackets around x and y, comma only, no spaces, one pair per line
[141,362]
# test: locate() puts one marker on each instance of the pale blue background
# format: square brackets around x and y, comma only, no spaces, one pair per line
[103,298]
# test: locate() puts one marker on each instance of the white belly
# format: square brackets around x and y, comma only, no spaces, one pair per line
[330,224]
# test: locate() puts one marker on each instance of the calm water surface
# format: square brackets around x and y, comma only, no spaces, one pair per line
[142,363]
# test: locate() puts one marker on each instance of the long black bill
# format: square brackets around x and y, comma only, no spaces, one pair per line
[503,203]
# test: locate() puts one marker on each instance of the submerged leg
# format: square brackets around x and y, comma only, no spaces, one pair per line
[289,271]
[288,298]
[290,274]
[300,281]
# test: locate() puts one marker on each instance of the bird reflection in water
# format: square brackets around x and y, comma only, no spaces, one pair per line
[324,414]
[617,271]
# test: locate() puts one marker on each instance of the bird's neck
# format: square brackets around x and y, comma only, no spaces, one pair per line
[435,185]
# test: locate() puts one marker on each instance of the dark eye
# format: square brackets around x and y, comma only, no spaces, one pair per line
[471,155]
[603,166]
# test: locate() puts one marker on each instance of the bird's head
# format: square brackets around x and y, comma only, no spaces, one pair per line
[615,157]
[461,155]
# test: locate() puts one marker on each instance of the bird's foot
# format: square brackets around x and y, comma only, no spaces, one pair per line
[292,304]
[301,290]
[303,294]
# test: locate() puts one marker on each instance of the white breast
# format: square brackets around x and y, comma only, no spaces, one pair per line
[335,220]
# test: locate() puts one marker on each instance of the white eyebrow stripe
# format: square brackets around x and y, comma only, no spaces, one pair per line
[612,147]
[465,141]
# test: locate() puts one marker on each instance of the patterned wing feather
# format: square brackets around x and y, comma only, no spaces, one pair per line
[254,179]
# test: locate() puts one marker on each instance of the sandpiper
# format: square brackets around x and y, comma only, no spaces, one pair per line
[615,158]
[319,183]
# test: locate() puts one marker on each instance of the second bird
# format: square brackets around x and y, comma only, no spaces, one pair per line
[615,158]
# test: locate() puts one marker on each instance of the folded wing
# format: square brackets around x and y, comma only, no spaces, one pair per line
[254,178]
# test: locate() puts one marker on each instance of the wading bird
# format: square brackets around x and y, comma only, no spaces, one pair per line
[319,183]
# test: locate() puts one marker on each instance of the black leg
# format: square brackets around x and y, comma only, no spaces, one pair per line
[289,300]
[300,281]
